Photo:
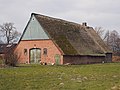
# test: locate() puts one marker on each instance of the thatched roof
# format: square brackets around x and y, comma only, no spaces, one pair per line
[72,38]
[4,48]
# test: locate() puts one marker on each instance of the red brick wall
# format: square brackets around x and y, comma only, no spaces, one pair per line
[52,50]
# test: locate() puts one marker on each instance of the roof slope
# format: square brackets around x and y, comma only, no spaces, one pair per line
[72,38]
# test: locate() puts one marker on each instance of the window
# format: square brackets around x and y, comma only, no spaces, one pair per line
[45,51]
[25,51]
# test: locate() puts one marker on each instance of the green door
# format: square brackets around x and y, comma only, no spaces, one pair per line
[57,59]
[35,55]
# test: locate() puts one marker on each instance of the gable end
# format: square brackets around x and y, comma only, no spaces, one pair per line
[34,30]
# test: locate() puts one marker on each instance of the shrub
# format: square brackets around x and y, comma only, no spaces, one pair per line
[11,58]
[1,60]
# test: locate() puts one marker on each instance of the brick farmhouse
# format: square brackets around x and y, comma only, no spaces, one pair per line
[55,41]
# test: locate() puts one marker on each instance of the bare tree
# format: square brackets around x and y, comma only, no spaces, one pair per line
[114,38]
[1,42]
[106,38]
[9,33]
[100,31]
[104,34]
[117,44]
[111,38]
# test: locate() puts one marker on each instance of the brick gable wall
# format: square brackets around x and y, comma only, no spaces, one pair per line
[52,50]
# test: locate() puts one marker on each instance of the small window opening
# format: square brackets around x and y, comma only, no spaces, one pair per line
[25,51]
[45,51]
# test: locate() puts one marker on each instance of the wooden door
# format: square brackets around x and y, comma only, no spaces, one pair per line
[57,59]
[35,55]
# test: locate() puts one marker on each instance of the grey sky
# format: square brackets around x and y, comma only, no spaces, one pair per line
[104,13]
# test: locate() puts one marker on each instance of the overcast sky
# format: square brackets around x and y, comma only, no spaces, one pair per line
[97,13]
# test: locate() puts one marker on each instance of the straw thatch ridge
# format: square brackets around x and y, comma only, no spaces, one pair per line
[72,38]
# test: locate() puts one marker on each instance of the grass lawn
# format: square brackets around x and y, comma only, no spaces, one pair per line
[73,77]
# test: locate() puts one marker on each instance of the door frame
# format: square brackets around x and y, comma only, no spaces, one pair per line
[30,54]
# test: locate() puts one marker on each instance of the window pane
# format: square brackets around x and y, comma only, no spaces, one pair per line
[45,51]
[25,51]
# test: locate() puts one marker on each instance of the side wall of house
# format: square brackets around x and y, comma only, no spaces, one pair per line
[52,50]
[108,57]
[82,59]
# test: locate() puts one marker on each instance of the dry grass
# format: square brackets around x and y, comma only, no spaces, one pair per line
[116,58]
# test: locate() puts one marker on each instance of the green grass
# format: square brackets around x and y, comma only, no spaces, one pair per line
[79,77]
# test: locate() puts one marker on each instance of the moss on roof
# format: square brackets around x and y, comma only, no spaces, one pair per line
[65,45]
[72,38]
